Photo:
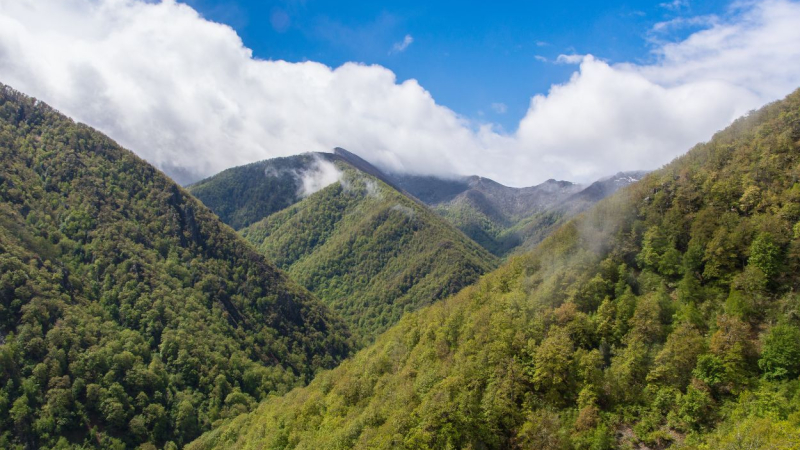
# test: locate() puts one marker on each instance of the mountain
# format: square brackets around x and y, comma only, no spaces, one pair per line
[528,232]
[363,245]
[370,252]
[243,195]
[130,316]
[665,316]
[504,219]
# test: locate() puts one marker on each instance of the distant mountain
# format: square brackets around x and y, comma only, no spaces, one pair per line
[528,232]
[504,219]
[508,203]
[246,194]
[665,316]
[355,248]
[369,251]
[129,314]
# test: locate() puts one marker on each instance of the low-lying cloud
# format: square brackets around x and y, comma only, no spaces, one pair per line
[319,175]
[188,96]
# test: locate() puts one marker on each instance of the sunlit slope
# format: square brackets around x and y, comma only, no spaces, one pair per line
[246,194]
[666,316]
[371,253]
[129,314]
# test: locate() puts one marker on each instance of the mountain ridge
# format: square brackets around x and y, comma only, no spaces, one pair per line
[129,314]
[666,316]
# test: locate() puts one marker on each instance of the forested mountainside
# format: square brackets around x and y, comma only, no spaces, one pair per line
[371,253]
[246,194]
[130,316]
[505,220]
[528,232]
[666,316]
[483,209]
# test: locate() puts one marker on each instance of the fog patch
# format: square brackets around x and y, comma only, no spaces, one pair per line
[371,186]
[359,184]
[320,174]
[405,210]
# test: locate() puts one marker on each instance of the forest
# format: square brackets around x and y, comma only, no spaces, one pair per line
[130,316]
[665,316]
[369,252]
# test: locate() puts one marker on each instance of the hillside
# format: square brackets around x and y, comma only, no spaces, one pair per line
[482,208]
[530,231]
[666,316]
[371,253]
[129,314]
[243,195]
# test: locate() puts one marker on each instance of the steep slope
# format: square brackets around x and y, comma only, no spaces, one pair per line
[244,195]
[504,219]
[528,232]
[129,314]
[371,253]
[666,316]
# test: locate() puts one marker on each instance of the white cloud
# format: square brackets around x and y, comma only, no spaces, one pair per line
[185,94]
[675,5]
[401,46]
[683,22]
[540,58]
[499,108]
[570,59]
[319,175]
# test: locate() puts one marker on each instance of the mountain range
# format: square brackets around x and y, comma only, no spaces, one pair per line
[319,302]
[665,316]
[375,245]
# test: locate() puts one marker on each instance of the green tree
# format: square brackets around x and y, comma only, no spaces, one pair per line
[780,358]
[765,255]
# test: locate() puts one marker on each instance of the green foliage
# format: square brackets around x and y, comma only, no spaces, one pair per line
[369,252]
[506,363]
[244,195]
[780,358]
[765,255]
[129,314]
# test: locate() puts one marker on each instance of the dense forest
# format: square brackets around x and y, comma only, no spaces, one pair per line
[371,253]
[246,194]
[130,316]
[666,316]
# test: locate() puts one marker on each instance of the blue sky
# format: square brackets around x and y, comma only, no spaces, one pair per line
[470,56]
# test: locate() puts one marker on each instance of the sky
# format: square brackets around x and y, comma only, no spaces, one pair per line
[519,92]
[501,53]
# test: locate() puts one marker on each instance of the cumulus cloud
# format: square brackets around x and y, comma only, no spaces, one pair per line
[188,96]
[401,46]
